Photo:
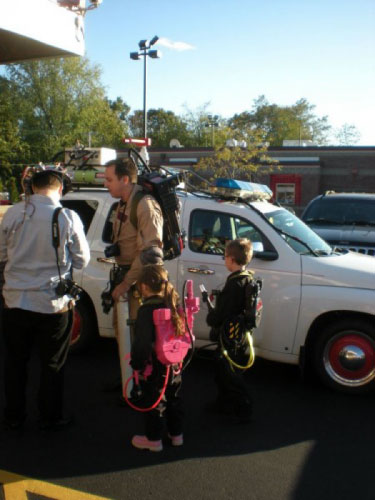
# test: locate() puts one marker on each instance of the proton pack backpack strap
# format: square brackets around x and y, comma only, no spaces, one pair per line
[134,207]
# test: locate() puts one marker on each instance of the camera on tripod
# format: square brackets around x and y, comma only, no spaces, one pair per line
[67,287]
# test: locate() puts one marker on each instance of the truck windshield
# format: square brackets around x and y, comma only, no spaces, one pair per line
[293,229]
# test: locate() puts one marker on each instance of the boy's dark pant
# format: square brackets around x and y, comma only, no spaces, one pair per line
[233,394]
[51,334]
[170,407]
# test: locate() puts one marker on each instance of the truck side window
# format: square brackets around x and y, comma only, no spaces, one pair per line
[108,226]
[246,230]
[209,231]
[85,209]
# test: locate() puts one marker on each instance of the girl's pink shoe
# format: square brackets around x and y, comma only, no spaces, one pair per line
[177,440]
[143,443]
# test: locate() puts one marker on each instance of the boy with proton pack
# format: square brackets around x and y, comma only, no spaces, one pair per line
[233,397]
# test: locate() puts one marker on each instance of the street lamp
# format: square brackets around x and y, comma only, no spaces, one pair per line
[144,46]
[213,121]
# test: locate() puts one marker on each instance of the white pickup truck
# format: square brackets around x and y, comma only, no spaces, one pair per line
[319,306]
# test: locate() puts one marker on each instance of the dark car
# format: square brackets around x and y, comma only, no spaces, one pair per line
[345,220]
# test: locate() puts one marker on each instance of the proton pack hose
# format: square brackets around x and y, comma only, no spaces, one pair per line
[251,359]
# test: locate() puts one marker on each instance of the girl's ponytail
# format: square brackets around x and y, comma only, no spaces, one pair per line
[156,278]
[171,299]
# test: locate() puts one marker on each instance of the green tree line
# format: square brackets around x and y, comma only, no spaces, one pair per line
[48,105]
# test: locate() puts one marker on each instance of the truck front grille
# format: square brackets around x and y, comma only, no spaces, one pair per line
[359,249]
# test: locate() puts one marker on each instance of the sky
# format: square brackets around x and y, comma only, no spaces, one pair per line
[228,53]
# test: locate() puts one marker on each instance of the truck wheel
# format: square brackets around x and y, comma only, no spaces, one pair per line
[84,327]
[344,356]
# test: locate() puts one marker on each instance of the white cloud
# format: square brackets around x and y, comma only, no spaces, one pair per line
[170,44]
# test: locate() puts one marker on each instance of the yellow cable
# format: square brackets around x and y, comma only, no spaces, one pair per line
[251,354]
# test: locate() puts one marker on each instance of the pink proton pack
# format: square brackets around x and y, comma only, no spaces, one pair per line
[171,349]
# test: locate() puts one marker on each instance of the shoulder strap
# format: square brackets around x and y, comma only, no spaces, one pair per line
[55,228]
[56,236]
[133,209]
[246,273]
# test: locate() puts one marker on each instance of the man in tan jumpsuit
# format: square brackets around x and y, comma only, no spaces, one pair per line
[135,244]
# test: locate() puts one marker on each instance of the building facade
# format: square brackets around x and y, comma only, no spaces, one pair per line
[303,172]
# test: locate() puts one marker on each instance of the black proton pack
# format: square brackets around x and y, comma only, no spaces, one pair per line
[162,186]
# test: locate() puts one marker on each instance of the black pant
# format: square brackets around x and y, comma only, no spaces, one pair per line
[233,394]
[51,334]
[170,406]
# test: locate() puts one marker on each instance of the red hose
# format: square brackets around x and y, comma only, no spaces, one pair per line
[157,401]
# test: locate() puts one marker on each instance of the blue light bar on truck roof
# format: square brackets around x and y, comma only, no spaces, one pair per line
[231,188]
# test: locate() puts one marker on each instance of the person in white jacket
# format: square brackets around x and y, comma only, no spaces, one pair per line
[36,310]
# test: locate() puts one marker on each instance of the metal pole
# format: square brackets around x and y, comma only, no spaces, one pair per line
[144,95]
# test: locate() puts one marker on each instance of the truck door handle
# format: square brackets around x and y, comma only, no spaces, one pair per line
[105,260]
[200,270]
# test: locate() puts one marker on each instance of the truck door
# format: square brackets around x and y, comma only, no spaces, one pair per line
[202,261]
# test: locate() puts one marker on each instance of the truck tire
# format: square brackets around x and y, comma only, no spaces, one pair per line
[84,328]
[344,356]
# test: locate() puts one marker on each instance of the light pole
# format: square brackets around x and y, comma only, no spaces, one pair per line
[213,121]
[144,46]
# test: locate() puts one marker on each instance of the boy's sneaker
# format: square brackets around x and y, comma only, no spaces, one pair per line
[142,443]
[177,440]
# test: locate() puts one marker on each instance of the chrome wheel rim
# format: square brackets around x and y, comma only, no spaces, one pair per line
[349,359]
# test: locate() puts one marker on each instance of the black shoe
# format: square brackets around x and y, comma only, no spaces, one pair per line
[56,425]
[12,425]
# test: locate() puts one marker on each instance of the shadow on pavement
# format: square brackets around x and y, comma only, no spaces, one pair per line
[305,442]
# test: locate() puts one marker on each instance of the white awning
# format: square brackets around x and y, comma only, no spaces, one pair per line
[32,29]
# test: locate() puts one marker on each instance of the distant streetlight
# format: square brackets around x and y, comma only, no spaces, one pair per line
[212,121]
[145,51]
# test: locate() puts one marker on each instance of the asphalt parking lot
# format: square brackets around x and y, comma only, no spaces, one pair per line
[305,442]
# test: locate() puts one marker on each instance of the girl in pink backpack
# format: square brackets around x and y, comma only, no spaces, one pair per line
[157,293]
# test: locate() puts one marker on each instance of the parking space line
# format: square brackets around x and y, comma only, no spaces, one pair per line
[15,487]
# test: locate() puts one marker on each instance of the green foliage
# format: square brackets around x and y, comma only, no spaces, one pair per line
[13,190]
[11,145]
[276,123]
[162,126]
[58,101]
[238,162]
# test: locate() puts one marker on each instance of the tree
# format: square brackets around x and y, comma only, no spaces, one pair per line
[11,145]
[347,135]
[162,126]
[13,190]
[198,126]
[58,101]
[237,161]
[120,108]
[276,123]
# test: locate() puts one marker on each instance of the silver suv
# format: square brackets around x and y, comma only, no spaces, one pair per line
[345,220]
